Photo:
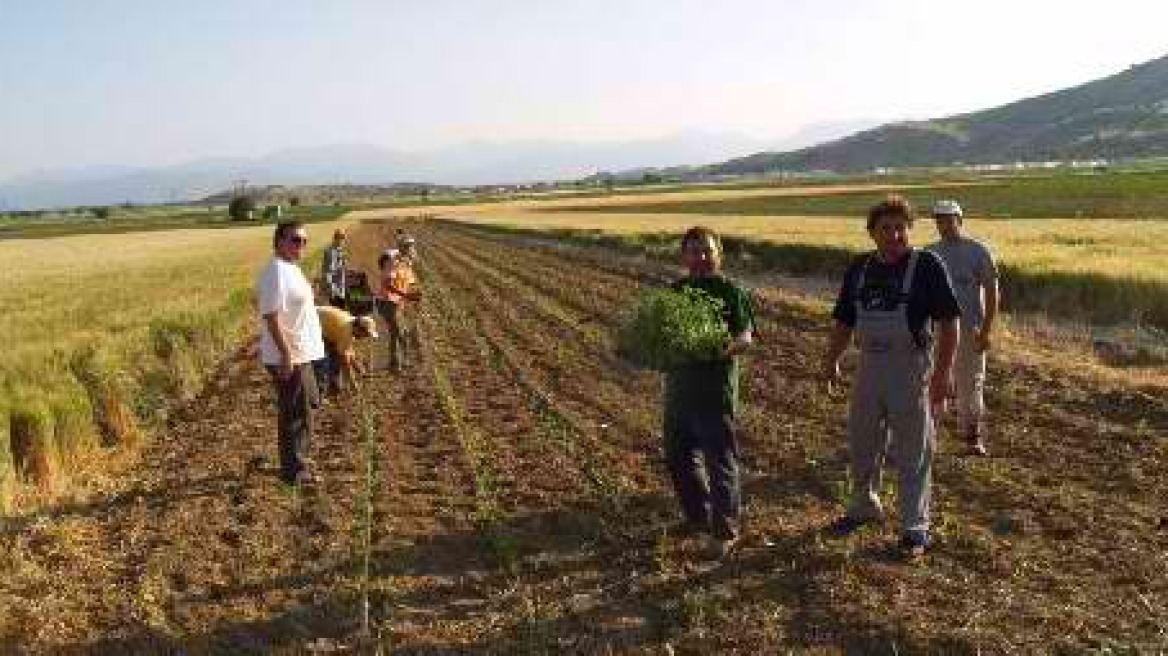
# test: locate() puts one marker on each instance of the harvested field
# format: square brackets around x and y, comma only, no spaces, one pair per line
[519,502]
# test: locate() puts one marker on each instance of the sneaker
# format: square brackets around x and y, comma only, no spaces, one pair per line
[846,525]
[914,545]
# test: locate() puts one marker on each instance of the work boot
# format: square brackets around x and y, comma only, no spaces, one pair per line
[847,525]
[913,545]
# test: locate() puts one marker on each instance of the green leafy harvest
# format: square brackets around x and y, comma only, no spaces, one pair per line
[667,328]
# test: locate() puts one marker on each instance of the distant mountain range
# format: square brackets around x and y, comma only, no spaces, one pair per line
[479,162]
[1121,116]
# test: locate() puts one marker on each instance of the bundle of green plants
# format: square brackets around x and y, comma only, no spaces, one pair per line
[667,328]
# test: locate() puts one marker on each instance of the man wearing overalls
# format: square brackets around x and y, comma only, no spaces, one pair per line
[888,300]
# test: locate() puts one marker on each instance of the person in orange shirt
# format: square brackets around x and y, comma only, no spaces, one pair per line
[397,288]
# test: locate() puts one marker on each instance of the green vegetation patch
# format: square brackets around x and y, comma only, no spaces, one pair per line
[670,327]
[1116,195]
[39,224]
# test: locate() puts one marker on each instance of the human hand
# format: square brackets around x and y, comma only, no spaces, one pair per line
[734,347]
[940,391]
[285,369]
[832,379]
[983,341]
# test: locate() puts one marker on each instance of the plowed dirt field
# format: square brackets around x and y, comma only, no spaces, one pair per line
[520,504]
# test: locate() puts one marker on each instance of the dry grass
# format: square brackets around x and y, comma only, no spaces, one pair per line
[109,330]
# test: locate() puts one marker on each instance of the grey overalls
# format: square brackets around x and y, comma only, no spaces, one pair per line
[890,409]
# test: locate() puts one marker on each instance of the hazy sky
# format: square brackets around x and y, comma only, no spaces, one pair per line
[160,81]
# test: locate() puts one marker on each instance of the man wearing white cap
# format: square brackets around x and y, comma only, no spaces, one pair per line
[975,280]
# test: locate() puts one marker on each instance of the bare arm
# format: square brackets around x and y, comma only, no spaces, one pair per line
[350,367]
[992,301]
[837,343]
[940,384]
[273,323]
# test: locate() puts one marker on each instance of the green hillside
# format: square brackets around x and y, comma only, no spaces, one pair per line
[1120,116]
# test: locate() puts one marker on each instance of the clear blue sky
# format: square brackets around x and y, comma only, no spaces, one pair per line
[151,81]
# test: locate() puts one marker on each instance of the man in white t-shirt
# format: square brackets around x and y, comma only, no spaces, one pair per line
[974,275]
[290,340]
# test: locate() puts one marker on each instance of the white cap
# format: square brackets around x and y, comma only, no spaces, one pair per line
[946,208]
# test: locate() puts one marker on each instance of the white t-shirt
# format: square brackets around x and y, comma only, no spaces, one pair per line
[284,290]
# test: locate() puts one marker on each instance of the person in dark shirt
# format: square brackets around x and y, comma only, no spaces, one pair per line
[890,300]
[332,270]
[701,400]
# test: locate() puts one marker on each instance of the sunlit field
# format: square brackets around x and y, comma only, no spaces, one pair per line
[1098,195]
[1108,271]
[103,331]
[504,494]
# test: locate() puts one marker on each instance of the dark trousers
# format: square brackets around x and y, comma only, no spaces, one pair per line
[395,332]
[328,371]
[295,398]
[709,487]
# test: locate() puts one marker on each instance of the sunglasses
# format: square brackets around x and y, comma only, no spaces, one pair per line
[297,240]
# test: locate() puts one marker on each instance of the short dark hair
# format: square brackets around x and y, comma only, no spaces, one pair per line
[893,205]
[700,233]
[282,230]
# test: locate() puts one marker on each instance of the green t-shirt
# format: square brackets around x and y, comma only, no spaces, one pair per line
[711,386]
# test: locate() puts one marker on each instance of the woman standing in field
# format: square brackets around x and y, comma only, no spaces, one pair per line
[290,342]
[889,300]
[396,289]
[701,401]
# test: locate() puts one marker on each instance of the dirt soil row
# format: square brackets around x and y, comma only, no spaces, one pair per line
[520,504]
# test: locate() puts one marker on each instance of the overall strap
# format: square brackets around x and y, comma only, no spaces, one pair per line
[909,274]
[863,277]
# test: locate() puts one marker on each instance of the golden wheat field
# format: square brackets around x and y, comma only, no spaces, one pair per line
[1117,249]
[106,330]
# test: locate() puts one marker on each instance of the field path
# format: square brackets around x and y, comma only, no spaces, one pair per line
[520,505]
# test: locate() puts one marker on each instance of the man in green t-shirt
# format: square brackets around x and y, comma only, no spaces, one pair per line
[701,400]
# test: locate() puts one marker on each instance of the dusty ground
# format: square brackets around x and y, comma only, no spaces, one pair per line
[519,503]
